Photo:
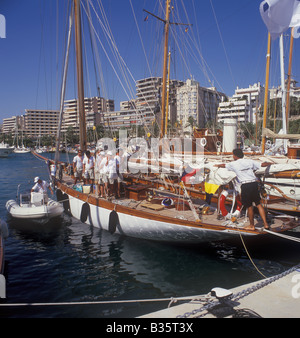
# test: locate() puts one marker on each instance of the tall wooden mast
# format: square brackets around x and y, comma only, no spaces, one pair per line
[289,80]
[79,66]
[164,86]
[266,92]
[165,68]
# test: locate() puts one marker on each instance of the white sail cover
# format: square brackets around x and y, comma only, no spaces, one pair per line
[279,15]
[269,133]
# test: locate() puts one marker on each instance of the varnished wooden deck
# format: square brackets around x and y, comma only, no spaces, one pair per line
[210,217]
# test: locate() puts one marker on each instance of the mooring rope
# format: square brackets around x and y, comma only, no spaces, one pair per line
[291,238]
[99,302]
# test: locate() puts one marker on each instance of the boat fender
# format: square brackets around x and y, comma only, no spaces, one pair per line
[59,195]
[113,221]
[64,198]
[85,212]
[66,202]
[224,211]
[3,229]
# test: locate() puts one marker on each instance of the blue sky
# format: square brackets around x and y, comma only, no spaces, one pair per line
[230,34]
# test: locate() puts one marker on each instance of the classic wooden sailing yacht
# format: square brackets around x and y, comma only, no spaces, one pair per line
[146,212]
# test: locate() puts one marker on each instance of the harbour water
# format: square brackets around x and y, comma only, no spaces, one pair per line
[69,262]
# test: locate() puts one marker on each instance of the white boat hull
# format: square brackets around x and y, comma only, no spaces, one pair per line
[5,150]
[123,223]
[47,211]
[22,151]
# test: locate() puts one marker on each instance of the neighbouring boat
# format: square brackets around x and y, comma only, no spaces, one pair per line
[22,150]
[5,149]
[34,206]
[3,236]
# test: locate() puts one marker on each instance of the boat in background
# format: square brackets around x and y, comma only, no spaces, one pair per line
[22,150]
[5,149]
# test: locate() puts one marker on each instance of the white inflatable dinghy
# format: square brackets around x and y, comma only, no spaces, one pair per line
[34,206]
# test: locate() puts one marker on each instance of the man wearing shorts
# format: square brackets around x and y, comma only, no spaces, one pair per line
[244,170]
[78,166]
[88,167]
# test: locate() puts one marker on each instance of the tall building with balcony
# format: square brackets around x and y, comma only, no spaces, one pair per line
[41,122]
[94,107]
[243,105]
[11,124]
[148,93]
[276,93]
[197,104]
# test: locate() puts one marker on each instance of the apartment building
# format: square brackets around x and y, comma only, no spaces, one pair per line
[128,105]
[148,93]
[127,119]
[40,122]
[276,93]
[94,108]
[197,102]
[243,105]
[12,124]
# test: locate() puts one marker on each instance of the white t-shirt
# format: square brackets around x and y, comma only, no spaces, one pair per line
[78,160]
[244,169]
[112,169]
[40,187]
[89,162]
[98,161]
[103,167]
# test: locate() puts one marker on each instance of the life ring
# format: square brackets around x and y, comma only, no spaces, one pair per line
[203,142]
[224,211]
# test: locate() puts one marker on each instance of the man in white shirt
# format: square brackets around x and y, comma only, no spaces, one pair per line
[88,167]
[41,186]
[100,164]
[78,166]
[119,160]
[244,170]
[111,172]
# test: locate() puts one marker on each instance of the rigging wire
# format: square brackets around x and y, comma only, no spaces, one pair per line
[226,55]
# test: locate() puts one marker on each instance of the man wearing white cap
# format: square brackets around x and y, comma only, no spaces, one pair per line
[41,186]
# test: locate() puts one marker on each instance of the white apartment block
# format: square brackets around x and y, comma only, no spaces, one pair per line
[11,124]
[94,108]
[40,122]
[127,105]
[276,93]
[148,93]
[125,119]
[243,105]
[197,102]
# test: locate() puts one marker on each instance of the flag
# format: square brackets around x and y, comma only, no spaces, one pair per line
[210,188]
[279,15]
[186,175]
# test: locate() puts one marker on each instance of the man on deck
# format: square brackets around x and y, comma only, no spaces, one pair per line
[244,170]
